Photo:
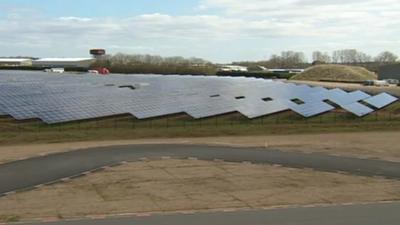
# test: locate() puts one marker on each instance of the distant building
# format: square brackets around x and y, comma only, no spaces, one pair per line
[98,53]
[55,70]
[233,68]
[15,62]
[286,70]
[262,68]
[389,72]
[63,62]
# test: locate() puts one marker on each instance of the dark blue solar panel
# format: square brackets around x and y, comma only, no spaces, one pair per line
[66,97]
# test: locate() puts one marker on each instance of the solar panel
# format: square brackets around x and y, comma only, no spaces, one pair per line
[22,113]
[357,109]
[261,108]
[358,95]
[65,97]
[311,109]
[153,111]
[210,108]
[381,100]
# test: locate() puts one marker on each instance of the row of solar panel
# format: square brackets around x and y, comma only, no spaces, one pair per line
[251,110]
[69,98]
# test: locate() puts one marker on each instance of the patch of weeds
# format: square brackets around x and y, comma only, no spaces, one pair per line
[10,218]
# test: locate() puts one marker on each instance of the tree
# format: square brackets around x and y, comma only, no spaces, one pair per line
[321,57]
[361,57]
[287,59]
[292,58]
[386,57]
[123,63]
[350,56]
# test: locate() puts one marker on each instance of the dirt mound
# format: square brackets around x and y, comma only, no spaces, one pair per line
[336,73]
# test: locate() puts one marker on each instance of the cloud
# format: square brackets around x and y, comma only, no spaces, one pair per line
[75,19]
[327,17]
[241,30]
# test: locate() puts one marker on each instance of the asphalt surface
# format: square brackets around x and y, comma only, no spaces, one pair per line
[25,174]
[382,214]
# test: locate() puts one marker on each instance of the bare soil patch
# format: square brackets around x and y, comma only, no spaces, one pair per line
[180,185]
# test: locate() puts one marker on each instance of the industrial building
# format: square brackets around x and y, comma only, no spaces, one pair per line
[15,62]
[97,53]
[63,62]
[290,71]
[389,72]
[233,68]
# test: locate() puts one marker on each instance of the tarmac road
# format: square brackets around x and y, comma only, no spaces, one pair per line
[374,214]
[25,174]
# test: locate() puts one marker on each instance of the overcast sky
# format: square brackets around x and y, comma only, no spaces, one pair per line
[217,30]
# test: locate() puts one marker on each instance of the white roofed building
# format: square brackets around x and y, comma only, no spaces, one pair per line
[63,62]
[233,68]
[15,62]
[294,71]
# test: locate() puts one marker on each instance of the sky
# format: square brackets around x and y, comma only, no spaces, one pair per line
[217,30]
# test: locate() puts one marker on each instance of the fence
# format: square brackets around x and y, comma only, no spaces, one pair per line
[335,118]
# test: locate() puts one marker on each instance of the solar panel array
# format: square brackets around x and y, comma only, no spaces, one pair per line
[70,97]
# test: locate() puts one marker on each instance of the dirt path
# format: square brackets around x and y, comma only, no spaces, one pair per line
[378,145]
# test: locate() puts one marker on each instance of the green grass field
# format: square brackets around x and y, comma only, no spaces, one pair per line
[127,127]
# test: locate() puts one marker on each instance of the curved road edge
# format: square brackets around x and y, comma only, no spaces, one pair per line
[26,174]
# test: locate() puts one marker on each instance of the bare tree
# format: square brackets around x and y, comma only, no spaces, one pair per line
[321,56]
[386,57]
[123,63]
[292,57]
[350,56]
[275,61]
[288,59]
[363,58]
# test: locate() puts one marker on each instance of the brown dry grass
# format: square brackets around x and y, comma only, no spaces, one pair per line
[336,73]
[180,185]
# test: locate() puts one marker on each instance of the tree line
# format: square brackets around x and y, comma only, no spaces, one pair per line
[124,63]
[293,59]
[348,56]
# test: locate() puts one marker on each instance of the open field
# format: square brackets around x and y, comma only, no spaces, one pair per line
[126,127]
[186,185]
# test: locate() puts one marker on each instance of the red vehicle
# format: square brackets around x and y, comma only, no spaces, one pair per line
[102,71]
